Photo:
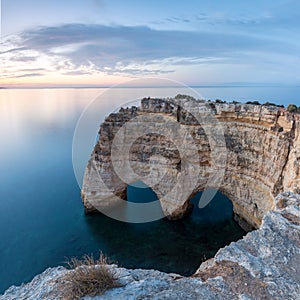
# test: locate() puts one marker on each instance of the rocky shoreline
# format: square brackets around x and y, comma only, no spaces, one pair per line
[265,264]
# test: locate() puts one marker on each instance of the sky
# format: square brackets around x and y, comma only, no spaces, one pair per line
[106,42]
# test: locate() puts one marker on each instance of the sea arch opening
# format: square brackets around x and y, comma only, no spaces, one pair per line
[243,217]
[140,192]
[181,245]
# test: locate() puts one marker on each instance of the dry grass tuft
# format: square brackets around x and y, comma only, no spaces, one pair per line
[88,277]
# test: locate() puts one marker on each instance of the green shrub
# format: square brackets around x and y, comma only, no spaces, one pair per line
[292,108]
[269,104]
[253,102]
[272,104]
[181,96]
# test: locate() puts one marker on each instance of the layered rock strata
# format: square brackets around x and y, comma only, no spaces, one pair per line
[253,149]
[265,264]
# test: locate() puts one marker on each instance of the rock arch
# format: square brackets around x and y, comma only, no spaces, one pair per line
[263,157]
[138,187]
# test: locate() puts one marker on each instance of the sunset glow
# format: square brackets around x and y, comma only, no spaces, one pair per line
[102,43]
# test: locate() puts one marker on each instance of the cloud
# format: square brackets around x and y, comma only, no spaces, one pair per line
[23,58]
[239,22]
[30,75]
[178,20]
[32,70]
[18,49]
[99,3]
[137,42]
[77,49]
[75,73]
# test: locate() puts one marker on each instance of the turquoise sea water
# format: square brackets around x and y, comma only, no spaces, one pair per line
[41,216]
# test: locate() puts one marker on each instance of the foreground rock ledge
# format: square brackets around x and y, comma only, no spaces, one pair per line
[265,264]
[261,155]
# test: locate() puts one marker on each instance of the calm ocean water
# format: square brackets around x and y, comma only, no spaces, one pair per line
[41,215]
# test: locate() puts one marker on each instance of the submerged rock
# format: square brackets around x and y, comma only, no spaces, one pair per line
[265,264]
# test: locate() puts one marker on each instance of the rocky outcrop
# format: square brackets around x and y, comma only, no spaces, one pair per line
[265,264]
[182,146]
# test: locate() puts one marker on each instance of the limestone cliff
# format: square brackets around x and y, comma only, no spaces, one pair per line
[259,159]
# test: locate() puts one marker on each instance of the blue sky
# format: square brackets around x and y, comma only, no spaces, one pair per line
[103,42]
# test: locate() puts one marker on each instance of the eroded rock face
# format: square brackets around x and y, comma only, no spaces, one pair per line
[255,148]
[265,264]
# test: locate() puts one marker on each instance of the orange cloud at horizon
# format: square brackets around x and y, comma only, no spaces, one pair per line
[63,80]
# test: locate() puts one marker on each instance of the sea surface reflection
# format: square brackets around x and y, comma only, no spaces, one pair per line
[41,216]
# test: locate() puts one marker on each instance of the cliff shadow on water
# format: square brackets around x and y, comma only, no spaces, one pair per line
[170,246]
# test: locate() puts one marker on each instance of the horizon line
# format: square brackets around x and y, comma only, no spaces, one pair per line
[216,85]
